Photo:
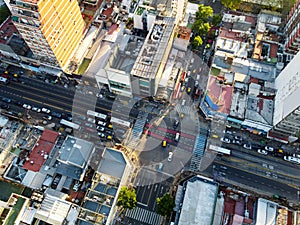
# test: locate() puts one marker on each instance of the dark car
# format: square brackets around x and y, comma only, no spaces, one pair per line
[19,103]
[4,106]
[56,114]
[55,181]
[8,100]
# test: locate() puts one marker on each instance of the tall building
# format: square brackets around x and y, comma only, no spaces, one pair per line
[148,67]
[51,29]
[287,105]
[292,31]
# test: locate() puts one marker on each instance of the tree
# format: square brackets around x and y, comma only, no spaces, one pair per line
[197,41]
[201,28]
[4,13]
[231,4]
[165,205]
[216,20]
[127,198]
[204,13]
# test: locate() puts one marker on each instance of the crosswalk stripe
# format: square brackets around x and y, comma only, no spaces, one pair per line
[144,216]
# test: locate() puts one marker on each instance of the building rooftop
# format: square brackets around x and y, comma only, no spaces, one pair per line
[53,210]
[75,151]
[199,201]
[39,154]
[266,212]
[112,163]
[154,48]
[218,94]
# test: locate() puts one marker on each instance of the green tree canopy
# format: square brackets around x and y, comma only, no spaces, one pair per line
[197,41]
[200,27]
[4,13]
[165,205]
[127,198]
[231,4]
[204,13]
[216,19]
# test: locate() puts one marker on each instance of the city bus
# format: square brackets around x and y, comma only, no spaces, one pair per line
[219,150]
[69,124]
[97,115]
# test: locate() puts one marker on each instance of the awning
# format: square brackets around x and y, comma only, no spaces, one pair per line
[234,120]
[210,103]
[258,126]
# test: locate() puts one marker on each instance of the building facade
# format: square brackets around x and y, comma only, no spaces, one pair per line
[292,31]
[51,29]
[287,105]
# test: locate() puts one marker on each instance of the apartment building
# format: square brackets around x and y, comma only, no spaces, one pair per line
[51,29]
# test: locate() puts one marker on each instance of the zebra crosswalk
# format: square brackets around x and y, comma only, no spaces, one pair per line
[144,216]
[183,109]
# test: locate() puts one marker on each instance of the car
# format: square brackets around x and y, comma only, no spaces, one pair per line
[238,138]
[4,106]
[76,186]
[19,103]
[47,118]
[56,114]
[55,182]
[36,109]
[108,137]
[160,167]
[181,115]
[176,123]
[110,126]
[100,128]
[91,120]
[247,146]
[228,132]
[189,90]
[99,95]
[101,123]
[46,110]
[170,157]
[164,143]
[101,135]
[263,152]
[26,106]
[7,100]
[89,125]
[225,140]
[268,148]
[177,136]
[238,142]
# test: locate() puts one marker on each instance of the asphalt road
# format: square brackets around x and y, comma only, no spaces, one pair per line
[224,172]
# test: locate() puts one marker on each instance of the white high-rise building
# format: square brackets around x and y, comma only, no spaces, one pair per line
[287,101]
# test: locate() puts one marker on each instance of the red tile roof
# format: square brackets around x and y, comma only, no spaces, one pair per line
[8,30]
[41,151]
[220,95]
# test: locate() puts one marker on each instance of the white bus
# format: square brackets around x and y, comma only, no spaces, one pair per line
[95,114]
[219,150]
[69,124]
[120,122]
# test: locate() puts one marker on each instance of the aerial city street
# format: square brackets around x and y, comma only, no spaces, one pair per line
[149,112]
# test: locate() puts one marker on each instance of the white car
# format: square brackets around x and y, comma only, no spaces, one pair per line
[76,186]
[26,106]
[101,135]
[36,109]
[45,110]
[170,156]
[247,146]
[270,149]
[47,118]
[91,120]
[263,152]
[225,140]
[102,123]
